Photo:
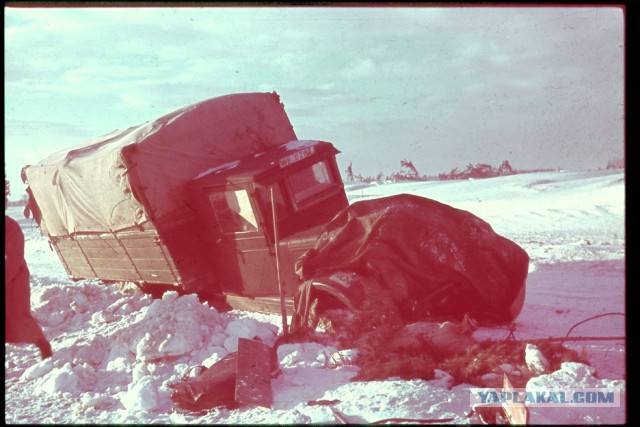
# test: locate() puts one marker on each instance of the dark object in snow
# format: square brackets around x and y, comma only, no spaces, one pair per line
[19,324]
[425,259]
[213,387]
[240,378]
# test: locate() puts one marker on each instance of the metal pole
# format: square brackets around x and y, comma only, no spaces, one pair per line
[276,240]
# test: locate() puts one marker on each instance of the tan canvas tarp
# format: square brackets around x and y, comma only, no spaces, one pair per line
[128,177]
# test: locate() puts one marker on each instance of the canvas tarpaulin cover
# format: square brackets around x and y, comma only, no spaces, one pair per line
[128,177]
[429,261]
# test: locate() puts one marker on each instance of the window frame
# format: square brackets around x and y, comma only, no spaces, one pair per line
[257,228]
[332,187]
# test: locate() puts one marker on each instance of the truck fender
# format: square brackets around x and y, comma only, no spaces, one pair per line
[332,290]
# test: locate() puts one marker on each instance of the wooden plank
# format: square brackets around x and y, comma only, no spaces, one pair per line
[253,377]
[105,258]
[151,264]
[103,253]
[74,261]
[80,270]
[146,253]
[139,240]
[149,246]
[118,275]
[517,412]
[163,279]
[158,276]
[67,244]
[120,263]
[72,253]
[81,273]
[98,242]
[131,275]
[261,304]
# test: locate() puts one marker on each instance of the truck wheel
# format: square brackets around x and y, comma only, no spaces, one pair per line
[216,301]
[317,297]
[321,309]
[155,290]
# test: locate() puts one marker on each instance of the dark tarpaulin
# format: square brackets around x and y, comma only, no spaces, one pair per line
[431,260]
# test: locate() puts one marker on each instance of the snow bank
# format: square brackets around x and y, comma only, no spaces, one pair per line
[577,376]
[118,352]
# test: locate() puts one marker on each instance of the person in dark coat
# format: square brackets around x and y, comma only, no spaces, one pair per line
[20,325]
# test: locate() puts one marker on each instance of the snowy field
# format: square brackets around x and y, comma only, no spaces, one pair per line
[117,352]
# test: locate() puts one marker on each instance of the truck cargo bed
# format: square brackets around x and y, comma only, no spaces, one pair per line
[138,256]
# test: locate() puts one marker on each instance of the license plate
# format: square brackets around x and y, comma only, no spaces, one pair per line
[296,157]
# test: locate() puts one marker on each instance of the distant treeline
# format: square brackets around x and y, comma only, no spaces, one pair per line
[408,172]
[7,192]
[21,202]
[480,170]
[615,164]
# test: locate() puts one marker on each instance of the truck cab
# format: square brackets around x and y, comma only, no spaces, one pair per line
[288,194]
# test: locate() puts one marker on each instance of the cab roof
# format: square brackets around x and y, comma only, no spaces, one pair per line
[275,161]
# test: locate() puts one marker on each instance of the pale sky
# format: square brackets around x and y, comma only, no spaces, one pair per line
[542,87]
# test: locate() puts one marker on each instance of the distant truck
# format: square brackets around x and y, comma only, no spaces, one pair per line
[187,202]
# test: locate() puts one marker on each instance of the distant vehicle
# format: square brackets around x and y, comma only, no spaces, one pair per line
[187,202]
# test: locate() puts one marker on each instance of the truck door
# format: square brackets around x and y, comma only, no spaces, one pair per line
[245,265]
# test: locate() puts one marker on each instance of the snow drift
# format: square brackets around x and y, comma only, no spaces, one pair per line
[117,352]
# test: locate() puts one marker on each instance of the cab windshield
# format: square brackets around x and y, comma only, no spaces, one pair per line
[310,182]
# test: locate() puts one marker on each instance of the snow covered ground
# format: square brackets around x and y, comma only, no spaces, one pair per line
[117,352]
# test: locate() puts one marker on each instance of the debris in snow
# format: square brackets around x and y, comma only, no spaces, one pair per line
[386,348]
[536,362]
[442,379]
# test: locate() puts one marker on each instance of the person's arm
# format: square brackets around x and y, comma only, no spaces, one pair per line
[13,249]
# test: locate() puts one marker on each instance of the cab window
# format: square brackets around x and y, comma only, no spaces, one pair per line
[311,181]
[233,211]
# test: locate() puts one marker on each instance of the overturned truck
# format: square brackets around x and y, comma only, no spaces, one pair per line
[220,198]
